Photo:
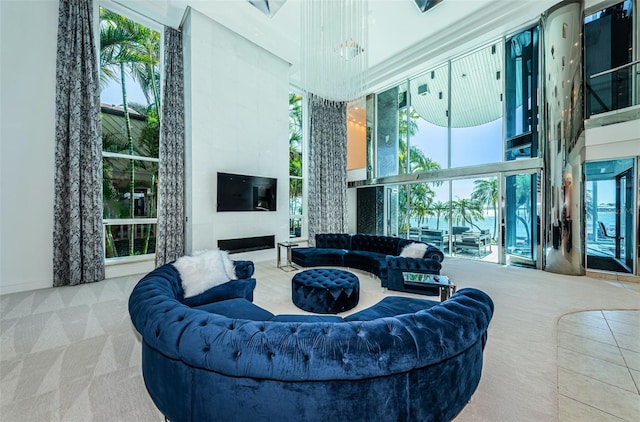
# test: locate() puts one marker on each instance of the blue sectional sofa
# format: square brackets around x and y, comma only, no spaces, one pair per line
[363,251]
[403,359]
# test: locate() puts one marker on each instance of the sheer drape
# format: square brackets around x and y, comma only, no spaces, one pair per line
[78,251]
[327,167]
[170,239]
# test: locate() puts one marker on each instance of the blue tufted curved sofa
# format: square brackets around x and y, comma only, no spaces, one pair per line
[365,252]
[403,359]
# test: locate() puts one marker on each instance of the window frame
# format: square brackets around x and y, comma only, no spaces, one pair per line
[108,222]
[303,177]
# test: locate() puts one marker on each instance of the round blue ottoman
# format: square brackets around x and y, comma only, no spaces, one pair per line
[325,290]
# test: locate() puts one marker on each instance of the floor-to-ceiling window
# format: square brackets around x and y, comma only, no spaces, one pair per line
[455,127]
[610,214]
[296,204]
[476,107]
[521,96]
[474,217]
[434,226]
[130,96]
[429,120]
[485,114]
[521,217]
[610,73]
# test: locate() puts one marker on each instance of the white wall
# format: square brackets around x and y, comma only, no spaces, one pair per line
[28,31]
[237,113]
[613,141]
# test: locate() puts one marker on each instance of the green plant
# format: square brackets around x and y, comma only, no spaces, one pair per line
[127,47]
[485,192]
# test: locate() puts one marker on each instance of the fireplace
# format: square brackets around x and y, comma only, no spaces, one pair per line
[246,244]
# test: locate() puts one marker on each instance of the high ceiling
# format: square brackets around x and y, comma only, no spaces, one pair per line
[400,36]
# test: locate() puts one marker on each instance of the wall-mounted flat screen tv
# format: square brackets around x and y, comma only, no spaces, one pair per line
[237,192]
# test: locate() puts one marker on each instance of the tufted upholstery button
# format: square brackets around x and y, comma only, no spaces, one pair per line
[206,349]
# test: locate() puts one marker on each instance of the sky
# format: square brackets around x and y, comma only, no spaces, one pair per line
[476,145]
[112,94]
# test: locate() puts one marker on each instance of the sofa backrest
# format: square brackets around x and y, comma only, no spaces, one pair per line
[432,252]
[333,240]
[372,243]
[299,351]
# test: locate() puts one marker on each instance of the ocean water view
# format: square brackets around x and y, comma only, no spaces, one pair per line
[432,223]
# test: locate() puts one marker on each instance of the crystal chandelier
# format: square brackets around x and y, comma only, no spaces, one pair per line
[334,48]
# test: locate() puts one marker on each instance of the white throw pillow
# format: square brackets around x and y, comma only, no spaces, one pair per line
[414,250]
[204,270]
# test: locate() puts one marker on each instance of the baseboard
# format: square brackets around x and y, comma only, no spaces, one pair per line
[25,286]
[609,275]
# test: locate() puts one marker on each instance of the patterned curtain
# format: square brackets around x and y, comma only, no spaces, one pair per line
[78,251]
[327,167]
[170,239]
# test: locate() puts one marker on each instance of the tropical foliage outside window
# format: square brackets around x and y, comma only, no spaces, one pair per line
[129,60]
[415,202]
[296,214]
[421,205]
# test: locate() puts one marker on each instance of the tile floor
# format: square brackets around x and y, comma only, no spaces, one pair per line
[599,366]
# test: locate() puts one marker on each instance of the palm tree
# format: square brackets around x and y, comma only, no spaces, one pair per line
[523,203]
[295,152]
[439,209]
[126,47]
[295,135]
[135,45]
[407,128]
[421,200]
[421,195]
[413,160]
[466,211]
[486,194]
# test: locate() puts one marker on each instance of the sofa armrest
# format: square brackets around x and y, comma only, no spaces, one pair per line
[234,289]
[244,269]
[396,265]
[434,253]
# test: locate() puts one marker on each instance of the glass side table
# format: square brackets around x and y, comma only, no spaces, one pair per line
[288,266]
[423,281]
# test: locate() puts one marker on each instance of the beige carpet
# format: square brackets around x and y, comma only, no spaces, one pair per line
[71,354]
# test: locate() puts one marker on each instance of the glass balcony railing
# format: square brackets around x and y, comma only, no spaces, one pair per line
[613,89]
